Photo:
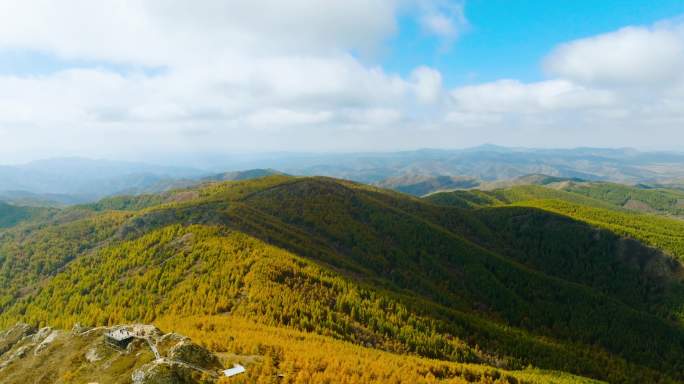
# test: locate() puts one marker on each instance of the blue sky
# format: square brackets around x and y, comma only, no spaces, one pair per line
[509,38]
[130,78]
[20,62]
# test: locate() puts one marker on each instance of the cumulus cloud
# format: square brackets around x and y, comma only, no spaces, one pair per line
[427,84]
[620,88]
[630,56]
[512,96]
[267,74]
[277,117]
[158,32]
[227,69]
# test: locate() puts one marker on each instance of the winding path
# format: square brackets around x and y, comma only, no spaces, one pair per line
[164,360]
[154,349]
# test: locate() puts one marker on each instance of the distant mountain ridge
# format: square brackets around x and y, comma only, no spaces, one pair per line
[85,179]
[419,185]
[243,175]
[415,172]
[68,181]
[486,163]
[171,184]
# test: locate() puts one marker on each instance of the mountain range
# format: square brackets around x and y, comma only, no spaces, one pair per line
[307,278]
[74,180]
[486,163]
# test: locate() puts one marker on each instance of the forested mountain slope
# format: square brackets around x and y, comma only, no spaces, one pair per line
[268,354]
[658,230]
[419,185]
[11,215]
[502,286]
[526,206]
[652,200]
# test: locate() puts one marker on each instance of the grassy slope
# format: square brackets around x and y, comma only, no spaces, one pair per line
[398,274]
[62,361]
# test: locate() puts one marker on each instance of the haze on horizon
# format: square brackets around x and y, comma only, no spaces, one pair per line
[152,79]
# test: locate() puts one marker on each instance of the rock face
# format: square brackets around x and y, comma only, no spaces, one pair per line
[30,355]
[11,336]
[194,354]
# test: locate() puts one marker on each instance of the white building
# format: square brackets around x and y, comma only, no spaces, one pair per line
[236,370]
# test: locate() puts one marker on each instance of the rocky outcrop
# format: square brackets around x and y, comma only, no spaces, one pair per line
[10,337]
[28,355]
[194,354]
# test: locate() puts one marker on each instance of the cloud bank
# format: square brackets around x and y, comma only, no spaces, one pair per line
[153,75]
[620,88]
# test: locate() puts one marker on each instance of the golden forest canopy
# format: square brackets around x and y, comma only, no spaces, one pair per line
[527,276]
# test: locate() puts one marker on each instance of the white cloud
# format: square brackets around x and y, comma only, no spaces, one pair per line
[427,84]
[226,69]
[629,56]
[374,117]
[278,117]
[439,24]
[624,88]
[512,96]
[160,32]
[269,74]
[445,19]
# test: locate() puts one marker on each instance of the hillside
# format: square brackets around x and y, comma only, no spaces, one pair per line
[419,185]
[171,184]
[84,355]
[423,185]
[305,357]
[652,200]
[594,204]
[365,266]
[11,215]
[28,199]
[242,175]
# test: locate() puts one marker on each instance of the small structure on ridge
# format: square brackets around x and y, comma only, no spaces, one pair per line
[236,370]
[119,338]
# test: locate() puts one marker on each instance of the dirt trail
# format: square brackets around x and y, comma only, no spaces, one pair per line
[154,349]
